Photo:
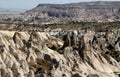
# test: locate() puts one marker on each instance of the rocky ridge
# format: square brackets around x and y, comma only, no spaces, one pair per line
[99,11]
[64,54]
[84,11]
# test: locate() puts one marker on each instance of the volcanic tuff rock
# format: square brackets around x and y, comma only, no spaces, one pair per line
[84,11]
[72,54]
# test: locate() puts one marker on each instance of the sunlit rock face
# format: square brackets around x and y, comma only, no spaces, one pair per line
[84,11]
[69,54]
[100,11]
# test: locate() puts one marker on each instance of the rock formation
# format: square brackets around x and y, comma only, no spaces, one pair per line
[83,11]
[38,54]
[99,11]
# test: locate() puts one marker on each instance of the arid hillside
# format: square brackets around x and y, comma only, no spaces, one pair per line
[84,11]
[42,51]
[62,40]
[100,11]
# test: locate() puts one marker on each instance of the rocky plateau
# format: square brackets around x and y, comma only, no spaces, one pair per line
[99,11]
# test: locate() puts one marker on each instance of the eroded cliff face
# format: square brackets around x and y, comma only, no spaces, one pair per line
[84,11]
[99,11]
[66,54]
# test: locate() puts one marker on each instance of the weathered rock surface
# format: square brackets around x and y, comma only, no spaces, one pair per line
[99,11]
[73,54]
[83,11]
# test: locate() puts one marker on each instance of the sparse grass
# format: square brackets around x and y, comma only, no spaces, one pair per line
[41,65]
[33,64]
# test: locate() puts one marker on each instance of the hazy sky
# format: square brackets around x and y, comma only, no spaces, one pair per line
[28,4]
